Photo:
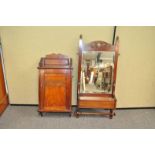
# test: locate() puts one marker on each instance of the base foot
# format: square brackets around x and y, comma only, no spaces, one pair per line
[70,114]
[77,114]
[41,114]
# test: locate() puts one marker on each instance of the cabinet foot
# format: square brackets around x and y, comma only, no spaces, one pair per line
[41,114]
[111,114]
[70,114]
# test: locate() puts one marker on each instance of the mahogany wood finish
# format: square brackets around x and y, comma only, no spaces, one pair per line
[97,100]
[3,95]
[55,83]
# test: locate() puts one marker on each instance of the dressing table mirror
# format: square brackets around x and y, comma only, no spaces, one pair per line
[97,77]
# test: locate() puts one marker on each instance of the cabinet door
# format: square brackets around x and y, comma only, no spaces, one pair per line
[55,91]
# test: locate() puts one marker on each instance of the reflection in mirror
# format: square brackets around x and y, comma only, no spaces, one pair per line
[97,72]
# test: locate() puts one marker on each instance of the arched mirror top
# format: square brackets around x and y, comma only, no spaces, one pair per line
[95,46]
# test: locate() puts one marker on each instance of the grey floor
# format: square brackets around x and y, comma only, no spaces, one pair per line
[27,117]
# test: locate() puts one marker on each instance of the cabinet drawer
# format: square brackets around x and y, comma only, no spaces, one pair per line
[97,104]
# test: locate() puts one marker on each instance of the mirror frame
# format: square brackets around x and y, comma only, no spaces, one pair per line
[98,46]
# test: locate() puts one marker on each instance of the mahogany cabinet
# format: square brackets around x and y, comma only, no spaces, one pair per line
[4,100]
[55,84]
[97,70]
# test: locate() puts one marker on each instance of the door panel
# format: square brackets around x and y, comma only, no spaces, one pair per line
[55,91]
